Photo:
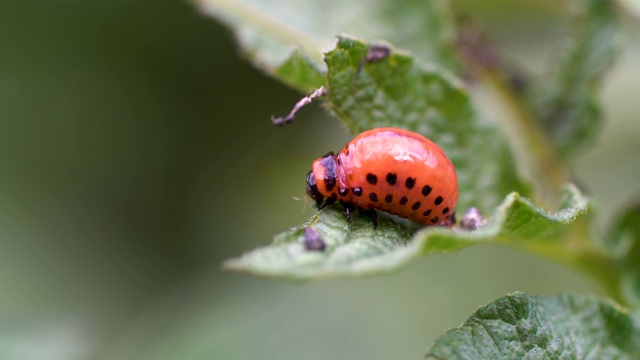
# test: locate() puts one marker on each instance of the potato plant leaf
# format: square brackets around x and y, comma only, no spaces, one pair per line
[373,85]
[356,249]
[271,33]
[398,91]
[299,72]
[523,326]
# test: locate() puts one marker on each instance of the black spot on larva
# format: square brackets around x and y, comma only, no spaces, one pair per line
[372,179]
[410,183]
[416,205]
[427,213]
[388,199]
[391,178]
[357,191]
[403,200]
[334,196]
[330,183]
[373,197]
[434,220]
[438,200]
[446,210]
[426,190]
[343,191]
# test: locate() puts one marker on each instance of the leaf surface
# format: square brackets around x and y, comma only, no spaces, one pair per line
[523,326]
[397,91]
[271,33]
[356,249]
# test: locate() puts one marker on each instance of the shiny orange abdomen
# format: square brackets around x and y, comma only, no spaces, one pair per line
[393,170]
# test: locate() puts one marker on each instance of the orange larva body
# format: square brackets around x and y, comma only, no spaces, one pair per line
[389,169]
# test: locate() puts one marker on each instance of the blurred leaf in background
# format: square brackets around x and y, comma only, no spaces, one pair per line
[120,138]
[268,32]
[566,101]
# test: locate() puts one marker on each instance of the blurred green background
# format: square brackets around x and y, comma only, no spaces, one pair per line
[136,154]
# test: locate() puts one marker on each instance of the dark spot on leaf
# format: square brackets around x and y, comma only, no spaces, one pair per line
[377,53]
[372,179]
[312,240]
[426,190]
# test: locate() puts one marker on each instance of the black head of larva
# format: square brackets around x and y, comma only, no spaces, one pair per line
[312,188]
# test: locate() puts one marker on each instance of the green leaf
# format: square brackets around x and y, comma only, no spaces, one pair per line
[394,91]
[397,91]
[356,249]
[299,72]
[522,326]
[624,243]
[566,103]
[269,32]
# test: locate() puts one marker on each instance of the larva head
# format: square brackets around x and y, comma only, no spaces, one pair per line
[321,181]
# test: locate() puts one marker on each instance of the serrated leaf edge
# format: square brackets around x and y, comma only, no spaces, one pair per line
[419,245]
